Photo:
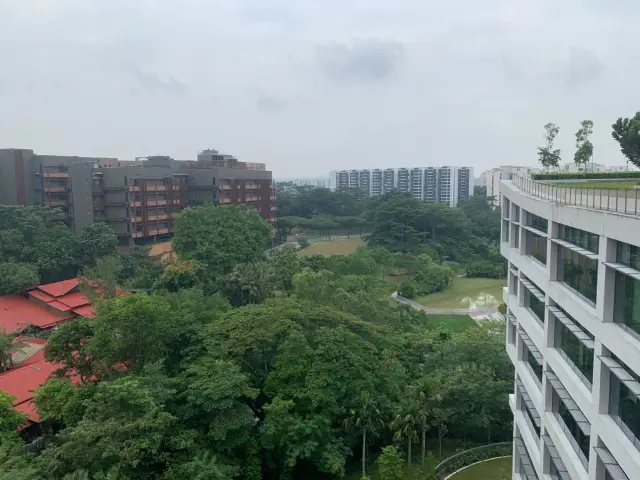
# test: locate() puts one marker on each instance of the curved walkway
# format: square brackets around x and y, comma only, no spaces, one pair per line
[472,312]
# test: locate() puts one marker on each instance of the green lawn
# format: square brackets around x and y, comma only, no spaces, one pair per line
[333,247]
[463,288]
[451,323]
[612,184]
[498,469]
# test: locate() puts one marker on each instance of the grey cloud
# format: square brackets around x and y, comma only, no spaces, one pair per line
[270,103]
[154,81]
[584,66]
[363,59]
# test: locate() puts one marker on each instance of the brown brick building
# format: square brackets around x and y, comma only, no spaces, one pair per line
[137,199]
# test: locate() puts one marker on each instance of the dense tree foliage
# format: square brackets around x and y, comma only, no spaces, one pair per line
[229,365]
[37,247]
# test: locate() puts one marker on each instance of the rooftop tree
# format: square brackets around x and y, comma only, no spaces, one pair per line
[547,155]
[584,147]
[626,131]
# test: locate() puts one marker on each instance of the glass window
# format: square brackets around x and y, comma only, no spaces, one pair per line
[579,273]
[538,223]
[537,247]
[529,416]
[516,237]
[624,406]
[516,213]
[574,350]
[533,304]
[535,366]
[628,255]
[626,307]
[572,428]
[581,238]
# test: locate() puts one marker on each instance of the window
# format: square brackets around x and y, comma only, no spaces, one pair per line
[537,247]
[533,299]
[515,243]
[624,406]
[628,255]
[581,238]
[516,213]
[571,419]
[538,223]
[579,273]
[536,367]
[626,306]
[576,351]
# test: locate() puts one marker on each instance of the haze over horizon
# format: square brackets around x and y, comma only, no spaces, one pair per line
[311,86]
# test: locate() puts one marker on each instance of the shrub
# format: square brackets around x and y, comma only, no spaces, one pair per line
[582,176]
[303,242]
[486,269]
[408,289]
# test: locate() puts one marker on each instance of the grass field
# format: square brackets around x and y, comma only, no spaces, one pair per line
[333,247]
[462,288]
[612,184]
[450,323]
[498,469]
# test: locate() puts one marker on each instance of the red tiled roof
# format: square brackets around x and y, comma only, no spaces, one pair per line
[85,311]
[60,288]
[29,409]
[59,305]
[74,300]
[40,295]
[16,313]
[21,382]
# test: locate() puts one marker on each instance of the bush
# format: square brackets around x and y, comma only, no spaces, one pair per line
[408,289]
[303,242]
[582,176]
[486,269]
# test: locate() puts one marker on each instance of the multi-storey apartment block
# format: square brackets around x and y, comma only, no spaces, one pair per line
[443,184]
[573,330]
[137,199]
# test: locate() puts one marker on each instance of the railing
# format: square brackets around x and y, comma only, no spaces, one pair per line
[608,199]
[471,456]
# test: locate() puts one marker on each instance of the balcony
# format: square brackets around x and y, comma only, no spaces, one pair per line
[56,203]
[226,187]
[114,187]
[226,200]
[252,199]
[56,189]
[55,174]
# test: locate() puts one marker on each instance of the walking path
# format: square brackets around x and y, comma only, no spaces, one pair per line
[475,313]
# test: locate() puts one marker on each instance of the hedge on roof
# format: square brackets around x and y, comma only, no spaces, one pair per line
[587,176]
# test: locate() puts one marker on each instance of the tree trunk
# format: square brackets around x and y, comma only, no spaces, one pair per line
[424,440]
[364,453]
[440,442]
[409,457]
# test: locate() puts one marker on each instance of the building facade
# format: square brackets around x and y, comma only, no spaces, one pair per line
[443,184]
[573,334]
[137,199]
[491,179]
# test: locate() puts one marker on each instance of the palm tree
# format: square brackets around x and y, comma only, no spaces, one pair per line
[404,426]
[365,418]
[425,395]
[254,279]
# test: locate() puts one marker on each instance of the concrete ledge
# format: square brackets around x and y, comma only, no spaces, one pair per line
[473,464]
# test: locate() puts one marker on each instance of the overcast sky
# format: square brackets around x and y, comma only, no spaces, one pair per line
[308,86]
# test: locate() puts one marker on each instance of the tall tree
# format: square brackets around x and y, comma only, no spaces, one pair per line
[98,240]
[626,131]
[547,155]
[584,147]
[14,276]
[404,427]
[366,418]
[221,237]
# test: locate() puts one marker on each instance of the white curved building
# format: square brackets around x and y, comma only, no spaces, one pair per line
[573,330]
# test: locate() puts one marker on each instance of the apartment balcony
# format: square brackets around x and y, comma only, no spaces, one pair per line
[252,199]
[56,203]
[56,189]
[226,187]
[157,231]
[116,219]
[226,200]
[150,218]
[272,198]
[251,186]
[114,187]
[55,174]
[273,208]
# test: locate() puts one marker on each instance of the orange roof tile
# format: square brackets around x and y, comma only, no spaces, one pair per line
[29,409]
[40,295]
[60,288]
[59,306]
[16,313]
[21,382]
[74,300]
[85,311]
